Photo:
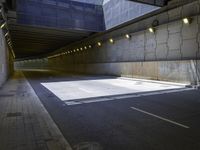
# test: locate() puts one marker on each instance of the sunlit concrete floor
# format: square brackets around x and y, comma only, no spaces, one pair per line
[113,113]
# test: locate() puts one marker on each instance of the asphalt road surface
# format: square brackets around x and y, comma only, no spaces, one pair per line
[98,110]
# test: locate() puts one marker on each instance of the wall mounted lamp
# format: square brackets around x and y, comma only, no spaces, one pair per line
[128,36]
[187,20]
[99,44]
[111,40]
[151,29]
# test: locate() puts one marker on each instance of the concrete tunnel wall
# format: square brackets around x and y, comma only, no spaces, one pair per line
[117,12]
[171,53]
[6,60]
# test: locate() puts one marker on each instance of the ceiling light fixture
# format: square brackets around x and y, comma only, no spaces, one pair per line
[3,25]
[7,33]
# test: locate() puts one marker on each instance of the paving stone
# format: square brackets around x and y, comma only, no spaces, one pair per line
[24,122]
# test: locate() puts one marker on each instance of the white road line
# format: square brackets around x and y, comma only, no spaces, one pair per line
[95,100]
[164,119]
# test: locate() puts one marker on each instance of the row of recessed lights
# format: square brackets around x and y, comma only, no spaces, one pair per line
[111,40]
[3,26]
[72,51]
[99,44]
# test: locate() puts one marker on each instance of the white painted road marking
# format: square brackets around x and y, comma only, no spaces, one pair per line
[164,119]
[118,97]
[93,87]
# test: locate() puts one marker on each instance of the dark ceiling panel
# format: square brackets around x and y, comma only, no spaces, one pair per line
[159,3]
[34,41]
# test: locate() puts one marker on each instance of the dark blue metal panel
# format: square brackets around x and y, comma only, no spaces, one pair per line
[63,14]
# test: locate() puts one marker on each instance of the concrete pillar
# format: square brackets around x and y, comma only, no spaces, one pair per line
[6,60]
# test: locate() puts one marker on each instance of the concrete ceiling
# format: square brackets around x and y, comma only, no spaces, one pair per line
[34,41]
[30,41]
[37,41]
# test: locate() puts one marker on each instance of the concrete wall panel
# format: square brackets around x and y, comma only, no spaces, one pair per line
[6,60]
[120,11]
[189,48]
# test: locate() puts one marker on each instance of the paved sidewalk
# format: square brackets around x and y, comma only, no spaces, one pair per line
[24,122]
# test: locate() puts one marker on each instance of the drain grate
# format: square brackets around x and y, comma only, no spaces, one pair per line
[16,114]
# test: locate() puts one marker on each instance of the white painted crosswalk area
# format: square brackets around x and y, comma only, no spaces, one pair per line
[94,90]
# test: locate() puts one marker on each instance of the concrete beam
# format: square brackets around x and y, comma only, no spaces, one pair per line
[159,3]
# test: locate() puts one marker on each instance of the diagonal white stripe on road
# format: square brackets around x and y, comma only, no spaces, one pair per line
[161,118]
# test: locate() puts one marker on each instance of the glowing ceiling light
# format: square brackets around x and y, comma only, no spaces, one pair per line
[6,34]
[90,46]
[85,47]
[3,25]
[99,44]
